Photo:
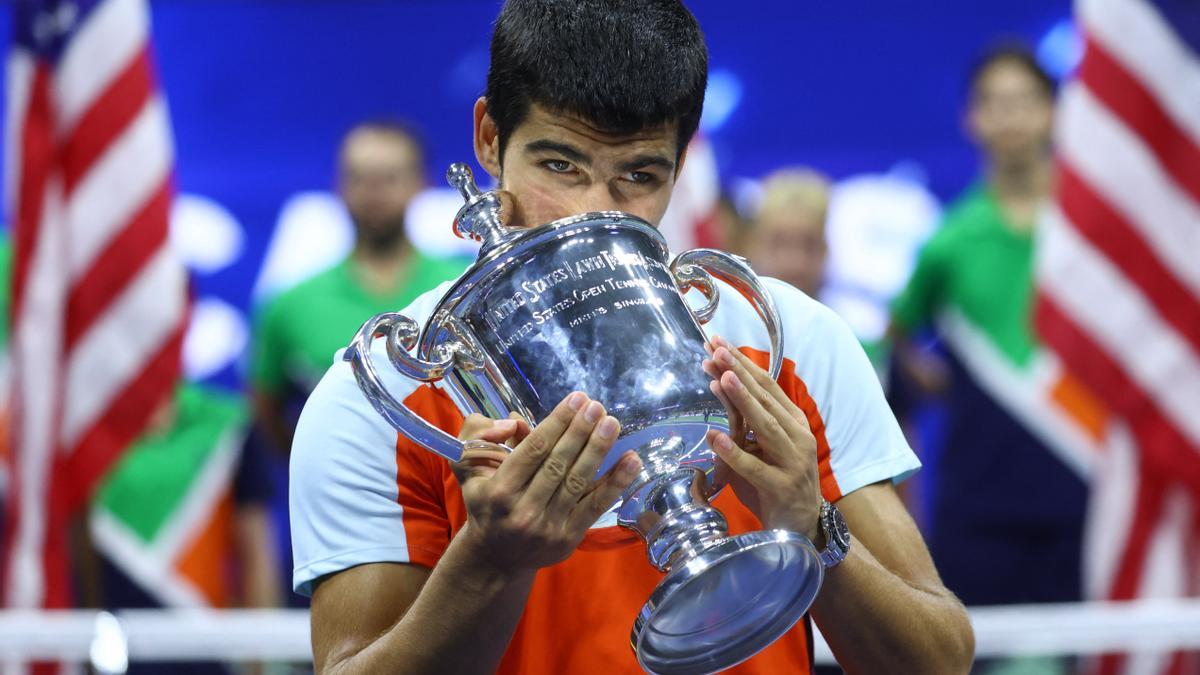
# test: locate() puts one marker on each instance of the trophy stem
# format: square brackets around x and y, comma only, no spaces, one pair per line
[723,598]
[676,520]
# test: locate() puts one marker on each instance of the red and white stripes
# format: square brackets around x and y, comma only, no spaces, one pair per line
[1119,286]
[99,301]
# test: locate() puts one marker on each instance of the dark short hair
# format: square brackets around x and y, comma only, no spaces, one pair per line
[390,126]
[622,65]
[1016,53]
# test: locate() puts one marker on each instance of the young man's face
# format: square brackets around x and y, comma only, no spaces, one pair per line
[559,165]
[380,173]
[1011,115]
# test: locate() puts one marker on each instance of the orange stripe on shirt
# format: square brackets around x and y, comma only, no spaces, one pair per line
[797,391]
[420,480]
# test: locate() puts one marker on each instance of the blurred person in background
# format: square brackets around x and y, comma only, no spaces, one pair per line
[787,238]
[183,519]
[381,168]
[1008,511]
[733,230]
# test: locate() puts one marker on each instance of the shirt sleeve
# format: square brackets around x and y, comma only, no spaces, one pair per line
[916,304]
[859,440]
[268,350]
[356,495]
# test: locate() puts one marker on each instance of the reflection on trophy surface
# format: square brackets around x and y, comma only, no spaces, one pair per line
[592,303]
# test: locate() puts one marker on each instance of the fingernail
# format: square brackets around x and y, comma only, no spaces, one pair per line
[608,428]
[506,424]
[575,401]
[725,356]
[724,442]
[630,464]
[719,341]
[593,412]
[734,381]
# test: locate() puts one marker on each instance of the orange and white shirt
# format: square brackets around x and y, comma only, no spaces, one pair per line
[360,493]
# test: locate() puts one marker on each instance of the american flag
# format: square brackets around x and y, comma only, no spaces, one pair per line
[1119,291]
[99,302]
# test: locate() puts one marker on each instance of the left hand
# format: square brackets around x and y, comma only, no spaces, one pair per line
[776,475]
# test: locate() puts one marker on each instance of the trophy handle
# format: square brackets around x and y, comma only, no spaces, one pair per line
[401,334]
[695,269]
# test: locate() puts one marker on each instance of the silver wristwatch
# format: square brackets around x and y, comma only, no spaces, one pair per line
[837,535]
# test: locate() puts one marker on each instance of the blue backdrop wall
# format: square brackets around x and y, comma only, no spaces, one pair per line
[261,91]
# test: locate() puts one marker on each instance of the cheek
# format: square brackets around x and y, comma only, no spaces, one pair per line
[538,202]
[650,206]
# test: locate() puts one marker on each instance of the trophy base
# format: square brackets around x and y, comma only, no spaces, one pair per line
[727,603]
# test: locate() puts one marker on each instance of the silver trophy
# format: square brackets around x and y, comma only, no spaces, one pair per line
[593,303]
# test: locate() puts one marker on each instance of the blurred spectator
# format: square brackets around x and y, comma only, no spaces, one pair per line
[732,231]
[183,521]
[381,169]
[787,238]
[1007,510]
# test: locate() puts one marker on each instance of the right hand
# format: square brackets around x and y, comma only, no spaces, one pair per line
[928,372]
[531,508]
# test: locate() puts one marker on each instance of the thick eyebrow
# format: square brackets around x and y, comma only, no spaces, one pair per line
[570,152]
[643,161]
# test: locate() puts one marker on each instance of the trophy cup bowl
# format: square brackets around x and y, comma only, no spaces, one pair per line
[593,303]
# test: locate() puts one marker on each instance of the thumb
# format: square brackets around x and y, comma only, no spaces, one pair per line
[480,459]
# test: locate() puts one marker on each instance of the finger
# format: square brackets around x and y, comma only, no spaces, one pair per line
[751,370]
[756,380]
[751,468]
[582,474]
[772,426]
[478,427]
[736,424]
[522,431]
[480,459]
[735,418]
[553,471]
[606,491]
[529,454]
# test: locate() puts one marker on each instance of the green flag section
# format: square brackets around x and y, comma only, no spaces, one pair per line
[163,515]
[974,281]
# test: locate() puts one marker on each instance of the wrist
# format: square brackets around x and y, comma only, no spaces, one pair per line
[480,561]
[807,523]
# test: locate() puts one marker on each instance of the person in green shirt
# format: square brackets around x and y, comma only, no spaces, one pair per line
[1008,502]
[381,168]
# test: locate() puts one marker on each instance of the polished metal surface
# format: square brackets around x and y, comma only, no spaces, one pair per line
[592,303]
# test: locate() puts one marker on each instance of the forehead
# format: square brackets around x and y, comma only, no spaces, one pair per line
[800,222]
[374,145]
[542,123]
[1007,76]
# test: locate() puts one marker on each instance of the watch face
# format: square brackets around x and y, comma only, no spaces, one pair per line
[840,531]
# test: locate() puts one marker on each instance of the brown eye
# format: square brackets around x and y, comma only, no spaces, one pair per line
[557,165]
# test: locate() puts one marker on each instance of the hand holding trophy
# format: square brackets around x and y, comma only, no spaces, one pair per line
[592,304]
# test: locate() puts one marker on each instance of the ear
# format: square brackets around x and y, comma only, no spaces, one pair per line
[487,139]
